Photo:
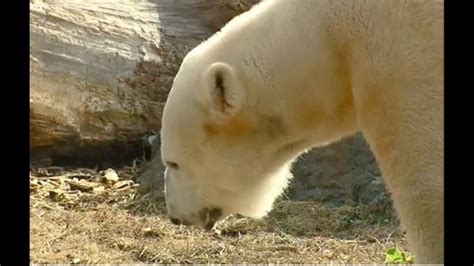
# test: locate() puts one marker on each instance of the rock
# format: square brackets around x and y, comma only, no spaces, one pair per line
[110,176]
[341,173]
[100,72]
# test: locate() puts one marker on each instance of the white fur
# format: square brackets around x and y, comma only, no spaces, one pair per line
[301,74]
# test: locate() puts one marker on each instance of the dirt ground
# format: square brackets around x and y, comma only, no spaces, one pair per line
[85,216]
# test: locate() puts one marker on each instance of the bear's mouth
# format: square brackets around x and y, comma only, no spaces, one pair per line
[209,225]
[209,217]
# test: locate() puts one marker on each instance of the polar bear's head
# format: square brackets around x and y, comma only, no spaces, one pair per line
[240,110]
[222,156]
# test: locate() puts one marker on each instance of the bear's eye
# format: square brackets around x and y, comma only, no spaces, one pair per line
[172,165]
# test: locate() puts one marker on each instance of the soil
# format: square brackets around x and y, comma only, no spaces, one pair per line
[80,215]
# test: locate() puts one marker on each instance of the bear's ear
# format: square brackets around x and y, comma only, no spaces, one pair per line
[222,91]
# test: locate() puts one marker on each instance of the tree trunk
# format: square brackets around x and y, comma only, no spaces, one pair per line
[100,71]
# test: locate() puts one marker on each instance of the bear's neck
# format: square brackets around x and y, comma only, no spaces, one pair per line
[316,61]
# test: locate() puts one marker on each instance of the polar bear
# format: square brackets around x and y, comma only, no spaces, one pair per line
[287,76]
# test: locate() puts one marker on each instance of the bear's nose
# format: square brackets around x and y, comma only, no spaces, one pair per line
[175,221]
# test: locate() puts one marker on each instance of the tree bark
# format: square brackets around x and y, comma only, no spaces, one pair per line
[100,71]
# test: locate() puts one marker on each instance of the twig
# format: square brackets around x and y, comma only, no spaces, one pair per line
[141,253]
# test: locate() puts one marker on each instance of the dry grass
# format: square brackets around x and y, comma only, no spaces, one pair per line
[113,225]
